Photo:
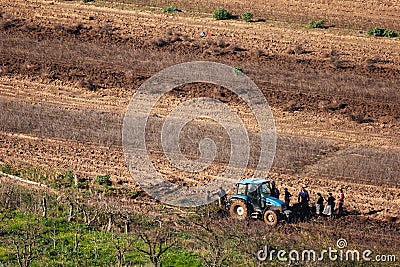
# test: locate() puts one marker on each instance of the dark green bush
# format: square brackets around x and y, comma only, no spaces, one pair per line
[316,24]
[377,32]
[247,16]
[222,14]
[170,9]
[390,33]
[382,32]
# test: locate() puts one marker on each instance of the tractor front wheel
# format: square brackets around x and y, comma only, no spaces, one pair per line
[238,209]
[271,218]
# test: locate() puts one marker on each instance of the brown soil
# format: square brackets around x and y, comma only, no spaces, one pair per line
[68,71]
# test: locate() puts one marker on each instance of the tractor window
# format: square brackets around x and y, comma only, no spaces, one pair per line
[265,189]
[241,190]
[252,189]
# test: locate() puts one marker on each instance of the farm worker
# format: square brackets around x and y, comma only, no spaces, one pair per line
[274,190]
[287,196]
[340,201]
[328,210]
[303,197]
[319,205]
[222,196]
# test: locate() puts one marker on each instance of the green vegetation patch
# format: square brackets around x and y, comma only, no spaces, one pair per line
[222,14]
[103,180]
[382,32]
[170,9]
[316,24]
[247,16]
[8,169]
[57,242]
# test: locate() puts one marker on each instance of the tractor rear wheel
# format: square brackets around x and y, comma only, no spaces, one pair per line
[271,218]
[238,209]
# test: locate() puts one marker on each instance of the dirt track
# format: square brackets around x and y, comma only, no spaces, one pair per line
[67,74]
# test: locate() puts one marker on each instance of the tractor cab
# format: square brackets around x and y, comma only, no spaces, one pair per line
[253,199]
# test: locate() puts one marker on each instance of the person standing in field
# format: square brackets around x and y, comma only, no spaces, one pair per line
[287,196]
[340,201]
[330,206]
[221,195]
[319,206]
[303,198]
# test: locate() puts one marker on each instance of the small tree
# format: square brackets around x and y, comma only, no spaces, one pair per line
[25,244]
[122,245]
[222,14]
[156,239]
[215,238]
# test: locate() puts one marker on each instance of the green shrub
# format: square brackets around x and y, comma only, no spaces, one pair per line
[382,32]
[222,14]
[390,33]
[103,180]
[316,24]
[247,16]
[377,32]
[87,1]
[170,9]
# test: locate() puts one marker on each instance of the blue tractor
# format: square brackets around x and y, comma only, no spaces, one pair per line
[253,200]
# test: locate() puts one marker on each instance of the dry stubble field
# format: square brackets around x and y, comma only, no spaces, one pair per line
[68,71]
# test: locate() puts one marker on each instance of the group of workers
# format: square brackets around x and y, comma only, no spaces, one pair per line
[303,198]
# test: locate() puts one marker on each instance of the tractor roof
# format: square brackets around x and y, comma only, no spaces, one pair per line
[252,181]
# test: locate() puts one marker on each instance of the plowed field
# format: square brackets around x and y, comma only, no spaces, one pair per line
[68,71]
